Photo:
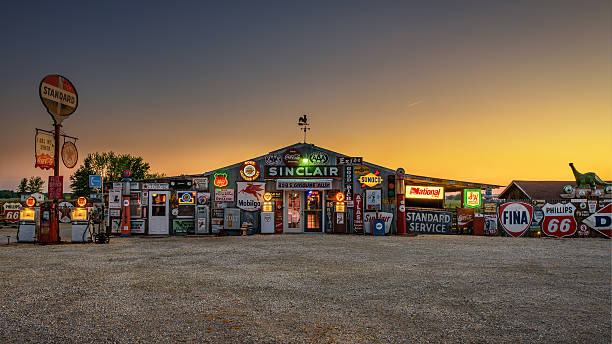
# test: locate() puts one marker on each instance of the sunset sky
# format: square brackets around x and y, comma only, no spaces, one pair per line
[485,91]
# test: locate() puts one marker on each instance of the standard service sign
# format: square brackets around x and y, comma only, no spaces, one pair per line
[59,96]
[601,221]
[559,220]
[515,217]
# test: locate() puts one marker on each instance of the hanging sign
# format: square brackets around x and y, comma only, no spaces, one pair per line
[559,220]
[292,157]
[515,217]
[59,96]
[472,198]
[44,149]
[224,195]
[348,160]
[70,155]
[370,179]
[601,221]
[428,221]
[274,172]
[249,170]
[56,187]
[220,180]
[249,195]
[424,192]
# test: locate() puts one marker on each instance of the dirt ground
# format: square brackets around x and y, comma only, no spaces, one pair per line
[308,288]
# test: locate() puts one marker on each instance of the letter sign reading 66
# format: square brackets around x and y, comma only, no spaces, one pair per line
[559,220]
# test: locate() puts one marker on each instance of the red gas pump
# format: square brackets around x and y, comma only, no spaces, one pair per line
[340,219]
[125,207]
[48,230]
[400,191]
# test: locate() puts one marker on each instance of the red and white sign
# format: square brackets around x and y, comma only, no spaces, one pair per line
[11,212]
[515,217]
[59,96]
[56,187]
[224,195]
[601,221]
[559,220]
[249,170]
[249,195]
[203,197]
[44,150]
[424,192]
[292,157]
[358,213]
[369,217]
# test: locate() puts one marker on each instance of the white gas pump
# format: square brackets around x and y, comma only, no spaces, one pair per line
[27,221]
[267,215]
[80,219]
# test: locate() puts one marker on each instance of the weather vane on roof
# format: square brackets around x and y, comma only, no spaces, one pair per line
[303,122]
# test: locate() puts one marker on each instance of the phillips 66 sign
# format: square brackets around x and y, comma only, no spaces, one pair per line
[515,217]
[559,220]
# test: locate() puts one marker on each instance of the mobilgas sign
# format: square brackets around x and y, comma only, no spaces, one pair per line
[274,172]
[515,217]
[428,221]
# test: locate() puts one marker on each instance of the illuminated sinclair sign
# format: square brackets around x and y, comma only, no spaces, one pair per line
[424,192]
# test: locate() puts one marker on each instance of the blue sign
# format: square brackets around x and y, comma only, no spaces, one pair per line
[95,181]
[378,227]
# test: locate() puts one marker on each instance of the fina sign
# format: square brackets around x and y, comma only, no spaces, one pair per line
[424,192]
[515,217]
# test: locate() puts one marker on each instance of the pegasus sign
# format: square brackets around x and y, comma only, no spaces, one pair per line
[250,195]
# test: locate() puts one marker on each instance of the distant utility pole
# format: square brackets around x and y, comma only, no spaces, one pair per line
[303,122]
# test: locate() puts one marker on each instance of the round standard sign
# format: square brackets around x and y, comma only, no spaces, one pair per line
[59,96]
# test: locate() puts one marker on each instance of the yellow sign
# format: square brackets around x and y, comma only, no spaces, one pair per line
[370,179]
[361,170]
[424,192]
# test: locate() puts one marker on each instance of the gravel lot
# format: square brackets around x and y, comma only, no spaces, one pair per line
[308,288]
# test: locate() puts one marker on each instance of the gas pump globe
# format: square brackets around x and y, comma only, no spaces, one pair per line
[340,202]
[267,204]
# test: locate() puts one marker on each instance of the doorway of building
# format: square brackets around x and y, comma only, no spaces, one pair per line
[313,211]
[293,212]
[159,221]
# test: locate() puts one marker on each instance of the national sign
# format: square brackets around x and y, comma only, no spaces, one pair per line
[601,221]
[515,217]
[559,220]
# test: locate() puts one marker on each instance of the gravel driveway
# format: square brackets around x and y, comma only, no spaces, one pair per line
[308,288]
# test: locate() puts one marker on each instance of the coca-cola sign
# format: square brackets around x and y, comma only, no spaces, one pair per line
[292,157]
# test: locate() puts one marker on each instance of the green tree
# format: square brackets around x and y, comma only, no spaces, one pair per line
[23,186]
[35,184]
[110,166]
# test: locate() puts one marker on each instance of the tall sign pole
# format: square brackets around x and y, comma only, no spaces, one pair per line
[60,98]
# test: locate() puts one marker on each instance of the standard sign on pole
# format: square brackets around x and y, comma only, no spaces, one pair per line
[59,96]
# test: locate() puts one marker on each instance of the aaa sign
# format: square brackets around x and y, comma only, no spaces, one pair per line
[515,217]
[559,220]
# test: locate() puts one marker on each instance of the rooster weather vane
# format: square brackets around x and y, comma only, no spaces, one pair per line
[303,122]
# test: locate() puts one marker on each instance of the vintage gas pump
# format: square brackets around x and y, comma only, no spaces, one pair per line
[46,220]
[80,219]
[125,205]
[267,215]
[28,217]
[400,191]
[340,218]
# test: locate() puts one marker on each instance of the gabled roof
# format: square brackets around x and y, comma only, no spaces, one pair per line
[539,189]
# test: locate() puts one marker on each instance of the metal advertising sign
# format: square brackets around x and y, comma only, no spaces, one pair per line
[203,198]
[56,187]
[137,226]
[249,196]
[465,217]
[220,180]
[70,155]
[361,170]
[601,221]
[348,182]
[114,198]
[44,149]
[183,226]
[249,170]
[152,186]
[95,181]
[472,198]
[11,212]
[200,183]
[373,199]
[292,157]
[370,179]
[274,172]
[224,195]
[424,192]
[273,159]
[428,221]
[490,224]
[298,184]
[59,96]
[369,217]
[559,220]
[347,160]
[65,208]
[358,213]
[319,158]
[515,217]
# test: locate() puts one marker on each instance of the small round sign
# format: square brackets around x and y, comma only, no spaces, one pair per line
[249,170]
[340,197]
[81,201]
[31,201]
[59,96]
[267,197]
[70,155]
[379,226]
